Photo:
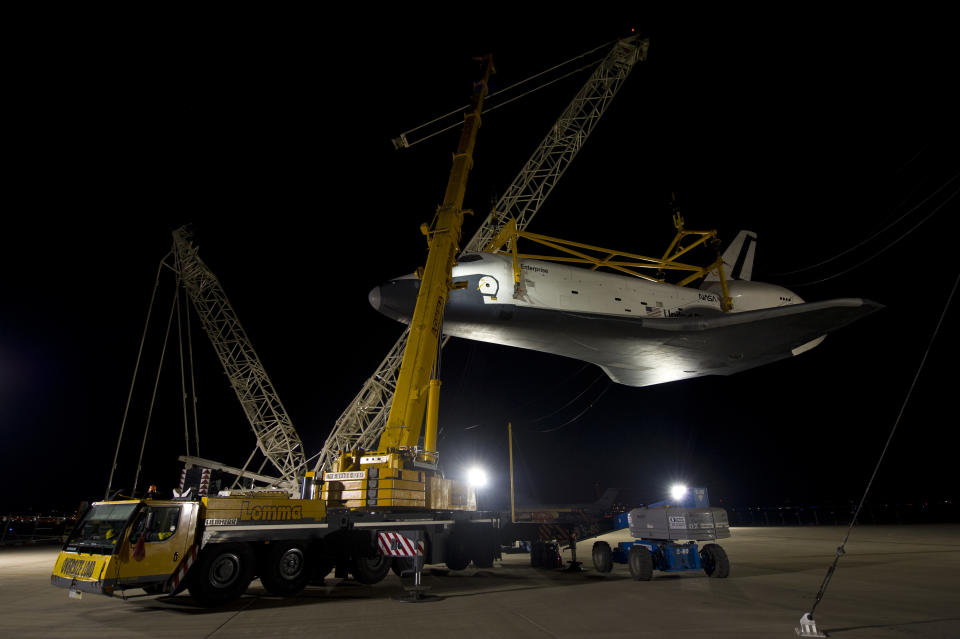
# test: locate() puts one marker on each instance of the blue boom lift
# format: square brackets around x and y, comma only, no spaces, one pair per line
[666,535]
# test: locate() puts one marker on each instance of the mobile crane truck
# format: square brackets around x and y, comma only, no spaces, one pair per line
[373,511]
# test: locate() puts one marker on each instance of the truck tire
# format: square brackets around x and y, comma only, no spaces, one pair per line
[285,568]
[640,563]
[221,574]
[536,554]
[457,557]
[484,553]
[551,559]
[402,565]
[714,560]
[321,560]
[602,557]
[371,570]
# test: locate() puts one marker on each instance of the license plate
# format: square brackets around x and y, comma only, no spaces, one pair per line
[75,594]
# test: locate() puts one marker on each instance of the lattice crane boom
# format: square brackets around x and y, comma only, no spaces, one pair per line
[362,422]
[276,438]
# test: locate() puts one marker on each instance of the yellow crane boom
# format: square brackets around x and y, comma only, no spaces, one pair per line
[417,392]
[443,238]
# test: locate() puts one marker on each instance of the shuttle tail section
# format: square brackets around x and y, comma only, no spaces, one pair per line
[738,258]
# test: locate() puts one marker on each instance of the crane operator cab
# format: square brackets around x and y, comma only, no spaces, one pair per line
[126,544]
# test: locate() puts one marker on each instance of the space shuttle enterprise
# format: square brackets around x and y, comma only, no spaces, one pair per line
[640,332]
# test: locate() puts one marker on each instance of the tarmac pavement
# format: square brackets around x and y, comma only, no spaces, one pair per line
[894,581]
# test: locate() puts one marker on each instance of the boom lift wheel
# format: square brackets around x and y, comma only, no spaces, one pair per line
[714,560]
[602,557]
[221,574]
[285,568]
[640,563]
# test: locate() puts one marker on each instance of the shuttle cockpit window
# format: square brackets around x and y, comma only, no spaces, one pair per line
[470,257]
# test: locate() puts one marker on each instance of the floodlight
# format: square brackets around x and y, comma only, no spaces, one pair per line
[677,491]
[477,477]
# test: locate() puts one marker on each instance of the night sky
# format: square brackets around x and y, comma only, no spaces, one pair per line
[831,137]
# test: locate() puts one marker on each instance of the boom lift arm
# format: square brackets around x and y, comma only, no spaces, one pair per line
[362,422]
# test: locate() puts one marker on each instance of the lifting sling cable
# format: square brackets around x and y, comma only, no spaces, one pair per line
[870,237]
[502,104]
[156,384]
[136,369]
[183,373]
[193,381]
[888,246]
[504,90]
[840,549]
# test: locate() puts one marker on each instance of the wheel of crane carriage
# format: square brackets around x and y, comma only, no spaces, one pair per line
[221,574]
[402,565]
[371,570]
[484,552]
[640,563]
[602,557]
[536,554]
[714,560]
[551,556]
[322,561]
[457,554]
[285,568]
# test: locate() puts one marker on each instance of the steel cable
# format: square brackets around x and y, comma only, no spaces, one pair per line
[840,549]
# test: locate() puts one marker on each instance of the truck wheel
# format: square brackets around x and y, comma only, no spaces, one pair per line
[714,560]
[370,570]
[285,569]
[401,565]
[640,563]
[602,557]
[457,557]
[536,554]
[551,556]
[484,553]
[221,574]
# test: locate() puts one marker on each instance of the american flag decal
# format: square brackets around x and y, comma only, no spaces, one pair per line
[396,545]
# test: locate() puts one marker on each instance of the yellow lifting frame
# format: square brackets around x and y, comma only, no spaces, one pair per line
[507,239]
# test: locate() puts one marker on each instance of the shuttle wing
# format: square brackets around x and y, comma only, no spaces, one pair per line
[678,348]
[636,351]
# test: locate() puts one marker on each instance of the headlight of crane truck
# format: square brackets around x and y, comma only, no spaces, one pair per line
[666,535]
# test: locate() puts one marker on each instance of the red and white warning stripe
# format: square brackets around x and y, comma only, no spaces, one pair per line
[394,544]
[184,567]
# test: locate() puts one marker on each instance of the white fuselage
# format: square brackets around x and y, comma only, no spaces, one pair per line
[639,332]
[549,285]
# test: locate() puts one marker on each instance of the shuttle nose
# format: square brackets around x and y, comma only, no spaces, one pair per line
[396,299]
